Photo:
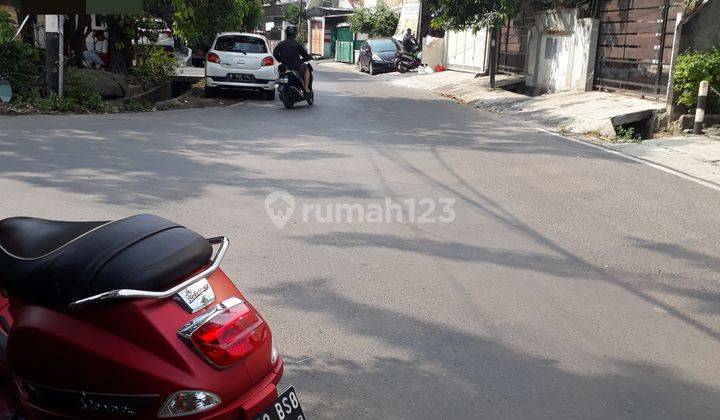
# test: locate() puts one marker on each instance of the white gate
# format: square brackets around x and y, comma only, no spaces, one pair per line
[466,51]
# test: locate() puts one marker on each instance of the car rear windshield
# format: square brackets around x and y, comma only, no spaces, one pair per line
[382,45]
[241,43]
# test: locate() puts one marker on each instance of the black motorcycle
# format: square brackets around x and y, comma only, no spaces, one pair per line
[407,60]
[290,87]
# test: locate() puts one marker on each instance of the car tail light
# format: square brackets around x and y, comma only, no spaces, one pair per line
[267,61]
[183,403]
[213,58]
[169,33]
[226,333]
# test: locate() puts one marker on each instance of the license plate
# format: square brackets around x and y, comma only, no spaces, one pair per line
[240,76]
[196,296]
[283,80]
[286,407]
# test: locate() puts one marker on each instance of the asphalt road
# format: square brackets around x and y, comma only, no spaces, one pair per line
[572,283]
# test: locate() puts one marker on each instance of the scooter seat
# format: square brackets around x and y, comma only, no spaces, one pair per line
[54,263]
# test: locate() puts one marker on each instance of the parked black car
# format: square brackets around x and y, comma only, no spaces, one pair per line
[378,55]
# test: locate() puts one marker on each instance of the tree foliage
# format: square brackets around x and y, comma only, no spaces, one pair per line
[472,14]
[378,22]
[6,27]
[296,15]
[121,31]
[385,21]
[20,63]
[691,68]
[361,21]
[154,65]
[198,21]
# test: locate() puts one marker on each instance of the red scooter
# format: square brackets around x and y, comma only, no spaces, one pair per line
[130,318]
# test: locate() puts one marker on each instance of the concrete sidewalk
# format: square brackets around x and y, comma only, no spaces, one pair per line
[584,113]
[697,156]
[574,112]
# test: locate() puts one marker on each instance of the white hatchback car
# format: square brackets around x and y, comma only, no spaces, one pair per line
[240,60]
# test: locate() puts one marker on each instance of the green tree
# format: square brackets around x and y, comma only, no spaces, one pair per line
[121,31]
[472,14]
[20,63]
[296,15]
[6,27]
[361,21]
[378,22]
[385,21]
[198,21]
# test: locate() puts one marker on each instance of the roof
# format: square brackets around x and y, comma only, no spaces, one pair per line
[328,11]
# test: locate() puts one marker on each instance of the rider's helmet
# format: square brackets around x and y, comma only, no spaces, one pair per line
[291,31]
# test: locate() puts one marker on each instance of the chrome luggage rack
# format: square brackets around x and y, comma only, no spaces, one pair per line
[139,294]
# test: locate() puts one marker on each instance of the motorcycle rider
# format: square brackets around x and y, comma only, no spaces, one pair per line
[293,55]
[408,42]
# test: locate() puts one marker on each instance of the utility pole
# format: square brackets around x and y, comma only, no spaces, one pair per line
[53,50]
[419,28]
[493,55]
[61,56]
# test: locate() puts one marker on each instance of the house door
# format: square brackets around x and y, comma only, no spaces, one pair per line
[316,37]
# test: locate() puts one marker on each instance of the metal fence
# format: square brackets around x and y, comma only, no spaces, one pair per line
[635,45]
[513,44]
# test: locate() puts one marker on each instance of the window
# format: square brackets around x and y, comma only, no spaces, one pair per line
[551,45]
[241,43]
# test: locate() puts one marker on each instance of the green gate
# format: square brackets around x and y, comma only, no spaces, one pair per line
[344,51]
[344,45]
[344,33]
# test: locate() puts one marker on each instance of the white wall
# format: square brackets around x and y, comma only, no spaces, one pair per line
[465,50]
[563,60]
[433,51]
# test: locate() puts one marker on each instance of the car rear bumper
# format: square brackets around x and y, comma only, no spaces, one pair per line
[217,75]
[224,83]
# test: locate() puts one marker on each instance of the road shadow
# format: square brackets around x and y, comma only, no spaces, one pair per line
[441,372]
[450,250]
[704,294]
[135,159]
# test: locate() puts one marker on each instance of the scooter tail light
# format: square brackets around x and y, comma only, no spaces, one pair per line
[267,61]
[232,331]
[213,58]
[183,403]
